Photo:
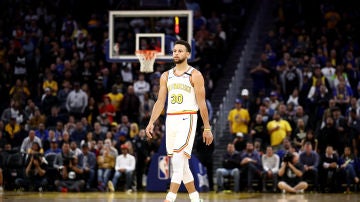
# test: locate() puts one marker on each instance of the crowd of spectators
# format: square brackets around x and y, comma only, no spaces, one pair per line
[62,101]
[306,93]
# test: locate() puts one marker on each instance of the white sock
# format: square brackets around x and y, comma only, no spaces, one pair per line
[194,196]
[171,196]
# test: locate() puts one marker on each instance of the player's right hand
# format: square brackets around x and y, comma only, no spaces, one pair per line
[149,130]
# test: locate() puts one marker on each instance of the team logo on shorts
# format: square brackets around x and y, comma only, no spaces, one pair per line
[163,167]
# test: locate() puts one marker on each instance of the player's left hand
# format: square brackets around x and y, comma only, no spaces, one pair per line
[207,137]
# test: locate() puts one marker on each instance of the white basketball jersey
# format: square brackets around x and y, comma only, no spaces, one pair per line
[181,94]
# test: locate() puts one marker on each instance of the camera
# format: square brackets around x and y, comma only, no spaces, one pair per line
[67,160]
[288,157]
[37,156]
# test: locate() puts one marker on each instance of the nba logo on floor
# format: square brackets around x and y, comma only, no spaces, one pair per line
[164,167]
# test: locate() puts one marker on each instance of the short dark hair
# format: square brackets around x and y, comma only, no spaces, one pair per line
[185,43]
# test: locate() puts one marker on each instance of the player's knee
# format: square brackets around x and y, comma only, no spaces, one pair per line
[188,177]
[178,168]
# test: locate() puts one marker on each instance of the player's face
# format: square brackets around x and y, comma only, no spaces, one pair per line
[180,54]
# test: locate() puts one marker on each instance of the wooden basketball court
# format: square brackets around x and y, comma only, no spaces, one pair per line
[182,197]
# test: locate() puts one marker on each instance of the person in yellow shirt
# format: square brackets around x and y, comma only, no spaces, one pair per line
[116,97]
[20,92]
[12,127]
[49,82]
[278,129]
[239,119]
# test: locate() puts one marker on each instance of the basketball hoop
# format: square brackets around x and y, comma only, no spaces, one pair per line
[147,59]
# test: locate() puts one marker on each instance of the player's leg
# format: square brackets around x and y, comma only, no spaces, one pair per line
[170,142]
[188,180]
[177,163]
[188,177]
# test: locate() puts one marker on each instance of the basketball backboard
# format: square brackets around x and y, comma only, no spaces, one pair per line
[134,30]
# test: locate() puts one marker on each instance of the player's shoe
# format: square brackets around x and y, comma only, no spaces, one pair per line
[199,200]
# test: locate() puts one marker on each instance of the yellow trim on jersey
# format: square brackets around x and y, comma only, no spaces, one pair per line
[182,112]
[187,155]
[188,136]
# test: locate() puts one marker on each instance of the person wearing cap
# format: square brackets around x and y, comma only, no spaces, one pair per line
[124,165]
[274,100]
[238,119]
[245,99]
[54,148]
[239,142]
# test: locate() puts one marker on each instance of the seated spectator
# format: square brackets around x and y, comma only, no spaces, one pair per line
[71,177]
[239,142]
[27,143]
[258,130]
[36,119]
[125,165]
[230,167]
[49,82]
[63,157]
[55,118]
[348,164]
[54,148]
[328,170]
[310,137]
[11,128]
[42,133]
[74,148]
[107,108]
[291,171]
[106,164]
[250,164]
[87,162]
[62,95]
[270,163]
[342,94]
[35,178]
[310,159]
[113,150]
[79,133]
[98,133]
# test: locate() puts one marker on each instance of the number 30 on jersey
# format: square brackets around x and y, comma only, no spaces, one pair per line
[177,99]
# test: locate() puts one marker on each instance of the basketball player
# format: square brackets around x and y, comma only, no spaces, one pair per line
[183,87]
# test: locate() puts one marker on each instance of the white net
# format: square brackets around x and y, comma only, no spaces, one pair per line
[146,59]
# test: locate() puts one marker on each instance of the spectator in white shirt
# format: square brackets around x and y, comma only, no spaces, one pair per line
[141,86]
[76,101]
[28,141]
[270,163]
[125,165]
